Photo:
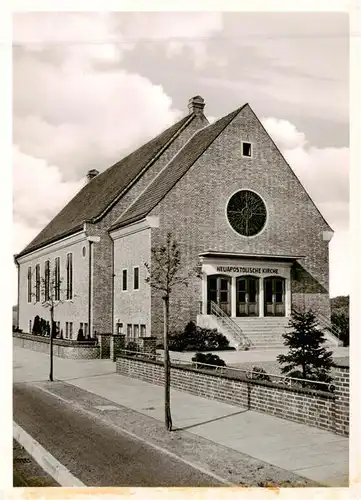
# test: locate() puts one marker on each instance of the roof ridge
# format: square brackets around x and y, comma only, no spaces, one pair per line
[226,120]
[156,176]
[66,222]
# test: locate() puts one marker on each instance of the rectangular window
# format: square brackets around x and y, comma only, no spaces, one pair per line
[120,328]
[57,279]
[129,330]
[136,331]
[30,326]
[71,330]
[69,276]
[66,329]
[136,278]
[125,280]
[37,283]
[29,284]
[47,280]
[143,331]
[85,329]
[246,149]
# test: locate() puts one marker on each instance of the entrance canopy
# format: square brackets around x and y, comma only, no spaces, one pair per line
[247,284]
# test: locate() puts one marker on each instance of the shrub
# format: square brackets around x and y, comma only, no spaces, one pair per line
[259,373]
[209,359]
[340,323]
[195,338]
[132,346]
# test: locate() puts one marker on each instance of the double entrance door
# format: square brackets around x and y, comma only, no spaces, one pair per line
[247,295]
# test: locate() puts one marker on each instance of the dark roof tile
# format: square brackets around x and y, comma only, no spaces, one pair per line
[103,190]
[174,171]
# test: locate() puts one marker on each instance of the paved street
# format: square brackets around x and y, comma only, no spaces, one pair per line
[97,454]
[272,444]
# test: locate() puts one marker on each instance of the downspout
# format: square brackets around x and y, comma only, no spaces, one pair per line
[18,304]
[91,239]
[90,288]
[113,275]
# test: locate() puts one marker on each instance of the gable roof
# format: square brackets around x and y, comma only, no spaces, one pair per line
[174,171]
[103,190]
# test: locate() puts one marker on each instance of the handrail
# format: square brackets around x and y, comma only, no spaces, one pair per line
[235,329]
[249,374]
[326,324]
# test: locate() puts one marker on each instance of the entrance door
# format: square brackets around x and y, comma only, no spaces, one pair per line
[219,291]
[247,296]
[274,297]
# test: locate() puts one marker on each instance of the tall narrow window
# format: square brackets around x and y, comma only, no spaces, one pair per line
[129,330]
[125,280]
[30,326]
[57,279]
[37,282]
[66,329]
[136,278]
[143,331]
[71,330]
[47,280]
[85,329]
[69,276]
[136,331]
[29,284]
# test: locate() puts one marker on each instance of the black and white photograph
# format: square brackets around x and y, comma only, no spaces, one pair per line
[181,249]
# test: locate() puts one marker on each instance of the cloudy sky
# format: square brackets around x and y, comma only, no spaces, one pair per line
[90,87]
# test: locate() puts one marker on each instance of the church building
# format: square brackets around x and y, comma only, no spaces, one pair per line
[238,213]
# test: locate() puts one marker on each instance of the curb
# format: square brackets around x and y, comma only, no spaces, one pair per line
[46,461]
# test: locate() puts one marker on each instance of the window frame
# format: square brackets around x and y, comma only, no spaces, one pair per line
[57,264]
[37,282]
[30,285]
[138,278]
[125,281]
[47,280]
[251,146]
[69,276]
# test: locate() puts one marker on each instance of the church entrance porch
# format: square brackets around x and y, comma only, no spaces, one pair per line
[246,286]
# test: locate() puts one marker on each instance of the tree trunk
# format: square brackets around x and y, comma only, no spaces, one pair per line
[51,343]
[167,415]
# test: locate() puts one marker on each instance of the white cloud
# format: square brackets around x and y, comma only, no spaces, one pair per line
[323,171]
[325,174]
[39,193]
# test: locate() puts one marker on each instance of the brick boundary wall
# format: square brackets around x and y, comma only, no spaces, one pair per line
[328,411]
[61,348]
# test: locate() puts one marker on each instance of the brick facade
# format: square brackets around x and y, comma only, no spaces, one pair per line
[194,212]
[61,348]
[328,411]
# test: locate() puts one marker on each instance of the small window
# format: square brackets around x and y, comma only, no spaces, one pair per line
[246,149]
[136,278]
[143,330]
[30,326]
[125,280]
[37,283]
[119,328]
[85,329]
[83,251]
[81,327]
[71,330]
[66,329]
[129,330]
[136,331]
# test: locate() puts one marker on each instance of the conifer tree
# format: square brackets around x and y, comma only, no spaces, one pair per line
[307,357]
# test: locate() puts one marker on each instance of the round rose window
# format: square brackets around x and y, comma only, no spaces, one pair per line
[246,213]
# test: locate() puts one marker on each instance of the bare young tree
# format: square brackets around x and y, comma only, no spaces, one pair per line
[49,292]
[163,275]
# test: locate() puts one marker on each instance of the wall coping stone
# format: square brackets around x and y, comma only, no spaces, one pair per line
[302,390]
[56,341]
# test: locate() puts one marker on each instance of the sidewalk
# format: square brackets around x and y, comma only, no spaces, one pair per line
[312,453]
